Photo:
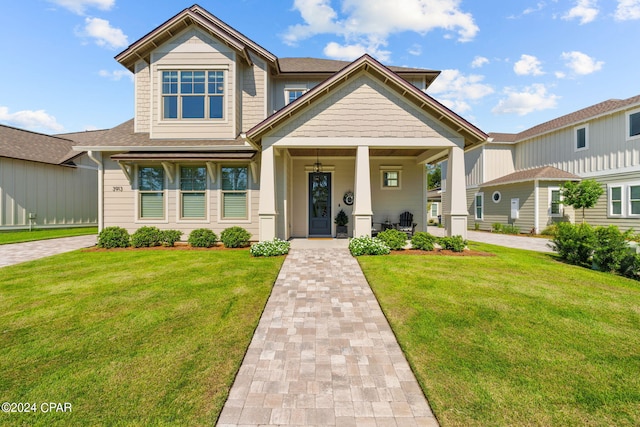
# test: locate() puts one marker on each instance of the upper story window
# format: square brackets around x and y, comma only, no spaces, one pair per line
[581,138]
[291,95]
[633,125]
[193,94]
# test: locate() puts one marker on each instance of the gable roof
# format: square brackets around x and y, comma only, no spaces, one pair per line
[194,15]
[603,108]
[36,147]
[545,173]
[366,63]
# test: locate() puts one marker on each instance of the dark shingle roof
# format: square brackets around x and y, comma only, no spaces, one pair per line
[321,66]
[545,173]
[37,147]
[503,137]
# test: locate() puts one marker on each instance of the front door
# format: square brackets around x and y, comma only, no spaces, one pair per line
[320,204]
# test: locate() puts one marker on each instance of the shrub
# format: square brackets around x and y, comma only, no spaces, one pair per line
[146,237]
[202,238]
[273,247]
[510,229]
[610,248]
[423,241]
[574,243]
[453,243]
[496,227]
[393,238]
[170,237]
[114,237]
[630,266]
[235,237]
[550,230]
[367,246]
[476,226]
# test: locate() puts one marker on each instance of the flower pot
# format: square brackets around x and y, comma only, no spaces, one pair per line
[342,232]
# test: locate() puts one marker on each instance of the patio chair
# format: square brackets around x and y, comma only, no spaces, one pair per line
[375,228]
[406,224]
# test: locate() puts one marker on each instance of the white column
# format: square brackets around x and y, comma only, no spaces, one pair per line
[267,209]
[456,194]
[362,212]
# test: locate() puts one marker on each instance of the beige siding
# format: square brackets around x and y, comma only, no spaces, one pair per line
[142,97]
[58,196]
[193,49]
[253,93]
[280,86]
[363,108]
[121,204]
[498,161]
[608,148]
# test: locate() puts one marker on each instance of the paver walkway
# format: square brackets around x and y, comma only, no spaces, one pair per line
[15,253]
[324,354]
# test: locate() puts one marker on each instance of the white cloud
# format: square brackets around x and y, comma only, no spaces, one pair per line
[532,98]
[585,10]
[415,50]
[456,90]
[528,65]
[479,61]
[581,63]
[37,120]
[104,34]
[349,52]
[369,23]
[79,6]
[116,75]
[627,10]
[560,75]
[539,6]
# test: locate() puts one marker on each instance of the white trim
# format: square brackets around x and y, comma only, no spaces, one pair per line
[475,206]
[627,121]
[629,210]
[608,172]
[610,213]
[165,199]
[333,210]
[493,199]
[344,142]
[386,169]
[560,213]
[586,137]
[536,206]
[293,89]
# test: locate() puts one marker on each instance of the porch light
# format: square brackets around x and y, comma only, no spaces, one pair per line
[317,166]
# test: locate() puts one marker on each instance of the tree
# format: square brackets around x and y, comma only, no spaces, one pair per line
[434,176]
[583,194]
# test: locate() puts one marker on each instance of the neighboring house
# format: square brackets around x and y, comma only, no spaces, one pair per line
[225,133]
[44,183]
[434,206]
[516,178]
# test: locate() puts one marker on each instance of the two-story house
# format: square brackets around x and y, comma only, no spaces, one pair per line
[226,133]
[517,178]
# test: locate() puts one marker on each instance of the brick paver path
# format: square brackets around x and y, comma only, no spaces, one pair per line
[323,354]
[15,253]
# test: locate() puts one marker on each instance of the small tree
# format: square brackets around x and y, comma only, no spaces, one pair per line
[583,194]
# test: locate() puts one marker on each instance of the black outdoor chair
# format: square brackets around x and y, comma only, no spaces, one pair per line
[406,224]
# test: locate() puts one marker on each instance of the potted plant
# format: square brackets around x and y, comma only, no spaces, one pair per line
[341,222]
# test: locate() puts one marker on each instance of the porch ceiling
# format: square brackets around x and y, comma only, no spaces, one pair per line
[351,152]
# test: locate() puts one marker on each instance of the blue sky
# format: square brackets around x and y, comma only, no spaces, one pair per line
[506,65]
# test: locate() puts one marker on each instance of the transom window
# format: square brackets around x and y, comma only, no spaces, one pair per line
[582,138]
[193,183]
[193,94]
[234,192]
[633,125]
[151,192]
[293,94]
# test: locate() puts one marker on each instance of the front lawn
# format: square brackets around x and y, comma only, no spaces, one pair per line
[516,339]
[42,234]
[150,337]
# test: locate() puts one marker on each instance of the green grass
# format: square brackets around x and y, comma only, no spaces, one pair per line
[150,337]
[516,339]
[42,234]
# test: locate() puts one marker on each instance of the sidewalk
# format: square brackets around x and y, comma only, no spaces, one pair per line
[324,355]
[537,244]
[15,253]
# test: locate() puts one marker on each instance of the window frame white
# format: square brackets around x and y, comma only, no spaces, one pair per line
[610,213]
[180,95]
[627,117]
[630,213]
[434,205]
[289,90]
[138,196]
[493,197]
[180,218]
[576,131]
[475,206]
[560,212]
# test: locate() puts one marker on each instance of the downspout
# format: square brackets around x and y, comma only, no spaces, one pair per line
[98,160]
[536,206]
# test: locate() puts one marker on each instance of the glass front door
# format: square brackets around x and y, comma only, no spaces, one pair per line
[320,204]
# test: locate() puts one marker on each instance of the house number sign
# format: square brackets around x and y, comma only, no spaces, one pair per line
[118,189]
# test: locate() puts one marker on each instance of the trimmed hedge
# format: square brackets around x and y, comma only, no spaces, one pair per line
[114,237]
[423,241]
[393,238]
[235,237]
[453,243]
[202,238]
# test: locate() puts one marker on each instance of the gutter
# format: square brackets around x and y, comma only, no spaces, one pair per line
[98,160]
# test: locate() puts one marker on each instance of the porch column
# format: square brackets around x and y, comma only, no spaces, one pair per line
[456,194]
[267,209]
[362,212]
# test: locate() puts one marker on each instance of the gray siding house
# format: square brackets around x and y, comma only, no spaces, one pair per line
[44,183]
[226,133]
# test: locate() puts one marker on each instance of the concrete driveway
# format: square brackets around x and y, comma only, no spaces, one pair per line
[537,244]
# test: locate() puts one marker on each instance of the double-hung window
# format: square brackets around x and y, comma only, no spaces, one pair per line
[479,205]
[193,185]
[615,200]
[634,200]
[555,202]
[151,192]
[234,192]
[193,94]
[434,210]
[633,125]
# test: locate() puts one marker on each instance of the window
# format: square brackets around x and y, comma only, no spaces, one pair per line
[391,179]
[615,200]
[479,205]
[151,192]
[555,202]
[193,94]
[633,125]
[634,200]
[234,192]
[291,95]
[582,138]
[496,197]
[193,183]
[434,209]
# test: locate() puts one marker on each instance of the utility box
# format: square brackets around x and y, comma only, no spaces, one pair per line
[515,208]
